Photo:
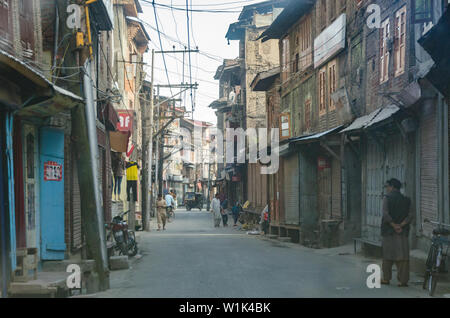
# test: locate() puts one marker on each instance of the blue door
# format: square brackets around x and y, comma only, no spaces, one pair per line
[52,193]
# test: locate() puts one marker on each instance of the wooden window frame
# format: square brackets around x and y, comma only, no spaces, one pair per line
[332,83]
[323,91]
[400,41]
[307,114]
[323,14]
[384,51]
[305,45]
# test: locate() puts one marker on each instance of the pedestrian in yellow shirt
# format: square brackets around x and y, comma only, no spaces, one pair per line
[132,178]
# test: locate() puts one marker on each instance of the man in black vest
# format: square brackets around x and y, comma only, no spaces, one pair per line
[397,216]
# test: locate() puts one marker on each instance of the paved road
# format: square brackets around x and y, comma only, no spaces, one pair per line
[192,259]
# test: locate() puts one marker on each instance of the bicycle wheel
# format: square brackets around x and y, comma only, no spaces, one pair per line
[432,282]
[429,266]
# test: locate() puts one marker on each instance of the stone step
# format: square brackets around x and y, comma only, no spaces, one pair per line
[118,262]
[272,236]
[285,239]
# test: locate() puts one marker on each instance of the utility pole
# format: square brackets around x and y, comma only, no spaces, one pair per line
[85,135]
[149,205]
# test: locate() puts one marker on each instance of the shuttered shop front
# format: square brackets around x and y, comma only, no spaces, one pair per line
[381,165]
[428,166]
[291,189]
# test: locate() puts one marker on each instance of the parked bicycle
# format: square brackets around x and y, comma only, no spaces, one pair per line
[437,256]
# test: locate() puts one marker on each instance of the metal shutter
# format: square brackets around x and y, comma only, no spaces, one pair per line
[428,167]
[76,230]
[291,189]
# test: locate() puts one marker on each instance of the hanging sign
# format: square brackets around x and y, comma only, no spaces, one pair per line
[125,120]
[52,171]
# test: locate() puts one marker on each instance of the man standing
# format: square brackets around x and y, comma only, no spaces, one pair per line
[132,178]
[397,216]
[118,165]
[216,209]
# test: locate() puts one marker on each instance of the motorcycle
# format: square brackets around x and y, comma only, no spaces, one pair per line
[119,238]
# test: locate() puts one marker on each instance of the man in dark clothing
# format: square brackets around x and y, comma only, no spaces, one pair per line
[397,216]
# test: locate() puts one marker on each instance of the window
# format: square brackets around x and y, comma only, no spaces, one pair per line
[285,60]
[332,84]
[296,63]
[384,51]
[400,41]
[333,9]
[323,14]
[322,91]
[422,11]
[308,114]
[305,43]
[343,5]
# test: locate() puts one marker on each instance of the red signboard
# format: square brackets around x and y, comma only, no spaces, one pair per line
[52,171]
[322,163]
[125,120]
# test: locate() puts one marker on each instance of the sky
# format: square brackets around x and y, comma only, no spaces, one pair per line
[207,32]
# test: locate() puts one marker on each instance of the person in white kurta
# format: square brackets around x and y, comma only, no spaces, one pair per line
[215,208]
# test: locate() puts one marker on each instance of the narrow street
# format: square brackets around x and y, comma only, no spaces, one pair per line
[192,259]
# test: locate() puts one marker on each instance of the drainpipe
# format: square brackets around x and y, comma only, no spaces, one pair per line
[3,227]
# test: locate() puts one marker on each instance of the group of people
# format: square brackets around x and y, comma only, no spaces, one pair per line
[219,208]
[119,164]
[165,208]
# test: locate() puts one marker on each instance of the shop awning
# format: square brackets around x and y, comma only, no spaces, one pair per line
[46,98]
[108,116]
[315,137]
[373,118]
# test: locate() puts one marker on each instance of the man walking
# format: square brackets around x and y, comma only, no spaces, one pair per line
[397,216]
[161,214]
[224,212]
[216,209]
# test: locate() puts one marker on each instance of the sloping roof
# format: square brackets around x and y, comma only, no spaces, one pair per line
[227,66]
[53,99]
[264,80]
[139,22]
[374,117]
[235,30]
[315,137]
[290,15]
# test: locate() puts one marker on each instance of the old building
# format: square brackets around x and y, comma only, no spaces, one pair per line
[255,56]
[319,95]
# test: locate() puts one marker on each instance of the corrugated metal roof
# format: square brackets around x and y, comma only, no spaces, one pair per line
[315,136]
[374,117]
